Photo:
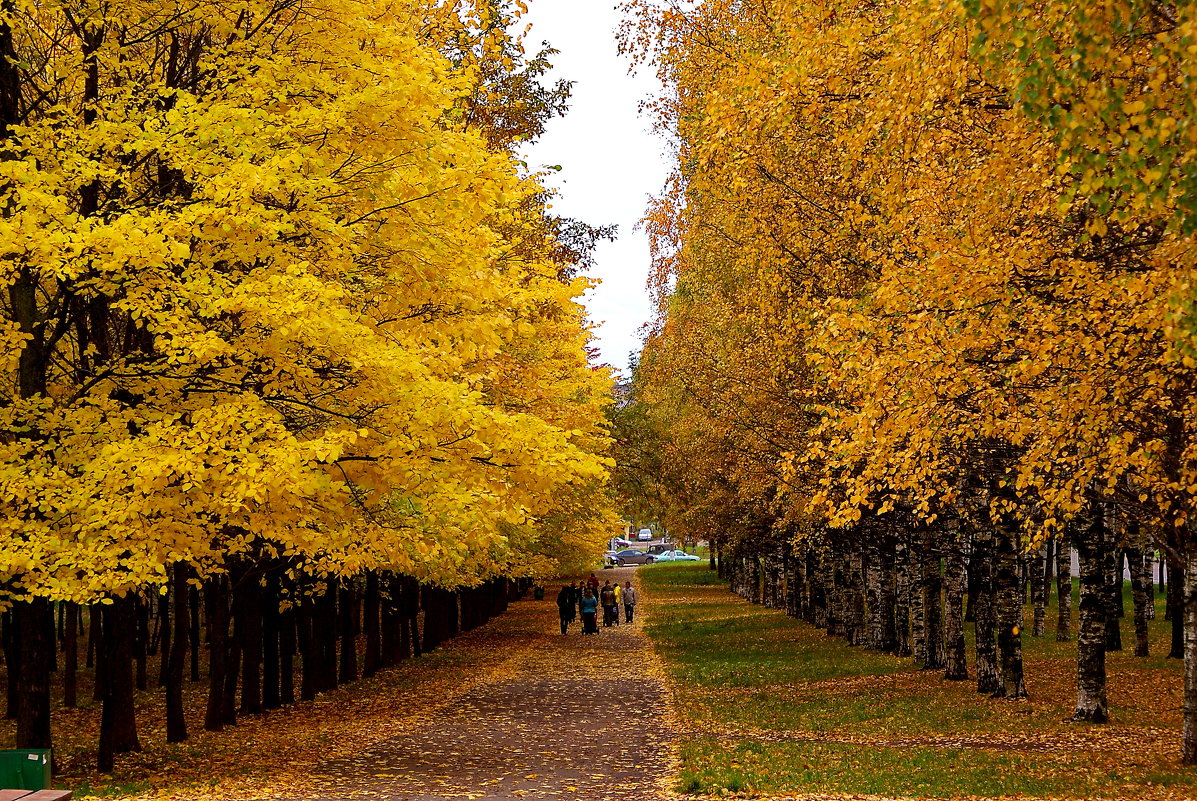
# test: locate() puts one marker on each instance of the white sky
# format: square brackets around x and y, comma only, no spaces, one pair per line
[610,161]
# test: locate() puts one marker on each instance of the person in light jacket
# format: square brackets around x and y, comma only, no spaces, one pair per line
[629,602]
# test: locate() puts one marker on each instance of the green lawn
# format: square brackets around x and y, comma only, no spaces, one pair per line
[777,706]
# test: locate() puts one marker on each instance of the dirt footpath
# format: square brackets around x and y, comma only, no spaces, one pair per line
[565,717]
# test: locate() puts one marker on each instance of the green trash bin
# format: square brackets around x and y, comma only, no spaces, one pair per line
[25,769]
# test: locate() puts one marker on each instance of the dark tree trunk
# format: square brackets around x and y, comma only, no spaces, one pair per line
[193,630]
[955,582]
[247,624]
[165,632]
[325,632]
[1177,576]
[70,673]
[918,598]
[310,680]
[12,663]
[932,603]
[118,716]
[902,623]
[392,622]
[216,608]
[95,641]
[853,594]
[1009,593]
[988,674]
[1064,586]
[372,623]
[874,605]
[1140,595]
[287,645]
[141,639]
[348,667]
[35,647]
[1112,557]
[1039,590]
[176,657]
[432,599]
[271,641]
[1092,541]
[1188,612]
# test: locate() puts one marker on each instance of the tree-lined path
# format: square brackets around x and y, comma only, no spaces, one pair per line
[561,717]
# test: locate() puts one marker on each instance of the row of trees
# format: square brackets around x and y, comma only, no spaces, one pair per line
[247,633]
[925,286]
[283,314]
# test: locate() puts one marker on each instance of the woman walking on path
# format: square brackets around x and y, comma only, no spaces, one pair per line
[589,612]
[615,609]
[565,607]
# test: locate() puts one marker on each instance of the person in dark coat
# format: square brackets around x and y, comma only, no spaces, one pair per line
[565,607]
[607,599]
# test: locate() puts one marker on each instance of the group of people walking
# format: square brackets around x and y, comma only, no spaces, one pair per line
[587,597]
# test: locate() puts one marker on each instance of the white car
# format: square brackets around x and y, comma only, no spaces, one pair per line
[645,534]
[677,556]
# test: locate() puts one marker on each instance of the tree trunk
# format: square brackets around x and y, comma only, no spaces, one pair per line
[287,644]
[141,639]
[118,715]
[70,673]
[1139,593]
[271,640]
[1188,611]
[854,611]
[165,632]
[216,607]
[176,658]
[985,611]
[918,599]
[193,630]
[1009,593]
[372,613]
[874,626]
[1039,590]
[1064,587]
[1177,575]
[1113,591]
[1092,541]
[904,645]
[326,634]
[248,629]
[95,643]
[34,630]
[309,683]
[955,586]
[12,664]
[932,603]
[348,666]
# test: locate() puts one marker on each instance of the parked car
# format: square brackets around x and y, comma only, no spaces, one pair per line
[634,557]
[645,534]
[676,556]
[609,559]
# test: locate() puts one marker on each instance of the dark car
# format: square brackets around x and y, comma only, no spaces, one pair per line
[634,557]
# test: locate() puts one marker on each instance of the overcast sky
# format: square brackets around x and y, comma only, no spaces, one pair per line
[611,163]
